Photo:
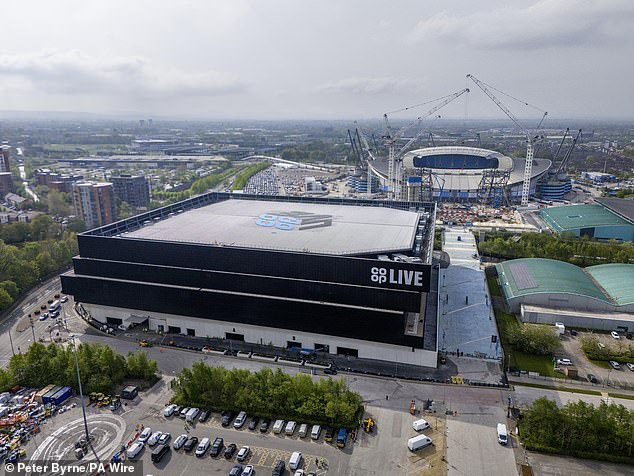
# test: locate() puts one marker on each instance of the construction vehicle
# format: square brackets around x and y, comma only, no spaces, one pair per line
[144,343]
[369,424]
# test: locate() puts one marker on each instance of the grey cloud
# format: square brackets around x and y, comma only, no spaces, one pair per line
[74,72]
[364,86]
[543,24]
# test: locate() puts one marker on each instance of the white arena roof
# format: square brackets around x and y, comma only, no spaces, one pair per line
[289,226]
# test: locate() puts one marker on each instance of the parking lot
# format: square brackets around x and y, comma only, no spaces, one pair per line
[571,349]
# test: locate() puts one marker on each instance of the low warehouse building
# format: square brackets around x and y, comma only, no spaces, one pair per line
[548,291]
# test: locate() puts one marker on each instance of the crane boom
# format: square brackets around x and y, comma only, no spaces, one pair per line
[394,180]
[530,141]
[568,153]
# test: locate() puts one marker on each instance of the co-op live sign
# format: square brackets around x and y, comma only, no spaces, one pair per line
[397,276]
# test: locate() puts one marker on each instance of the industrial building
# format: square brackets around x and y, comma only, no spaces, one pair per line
[608,219]
[348,277]
[549,291]
[462,174]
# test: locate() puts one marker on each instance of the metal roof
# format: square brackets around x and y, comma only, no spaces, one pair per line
[621,206]
[521,277]
[572,217]
[616,279]
[289,226]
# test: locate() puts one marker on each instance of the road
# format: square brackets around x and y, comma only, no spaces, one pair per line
[28,189]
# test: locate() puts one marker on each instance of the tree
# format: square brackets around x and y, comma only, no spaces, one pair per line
[5,299]
[57,204]
[535,339]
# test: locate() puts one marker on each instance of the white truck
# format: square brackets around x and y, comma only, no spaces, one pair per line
[503,438]
[419,442]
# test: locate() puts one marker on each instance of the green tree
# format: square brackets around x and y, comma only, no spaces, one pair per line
[536,339]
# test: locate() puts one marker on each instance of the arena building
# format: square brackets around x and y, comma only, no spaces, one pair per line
[351,277]
[549,291]
[462,174]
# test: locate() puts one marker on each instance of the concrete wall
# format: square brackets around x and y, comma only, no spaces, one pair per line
[561,300]
[550,316]
[263,335]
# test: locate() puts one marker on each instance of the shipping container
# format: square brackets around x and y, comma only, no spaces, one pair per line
[61,396]
[41,393]
[46,398]
[130,392]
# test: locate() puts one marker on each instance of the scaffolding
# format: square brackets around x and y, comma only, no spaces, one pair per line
[493,187]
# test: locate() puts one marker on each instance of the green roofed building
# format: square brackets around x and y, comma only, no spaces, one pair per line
[609,219]
[548,291]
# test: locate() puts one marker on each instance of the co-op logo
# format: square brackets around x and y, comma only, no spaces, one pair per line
[396,276]
[293,220]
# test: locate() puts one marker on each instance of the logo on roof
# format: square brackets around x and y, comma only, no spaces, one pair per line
[288,221]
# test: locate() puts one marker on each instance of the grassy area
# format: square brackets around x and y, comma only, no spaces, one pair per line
[494,287]
[601,363]
[566,389]
[620,395]
[507,324]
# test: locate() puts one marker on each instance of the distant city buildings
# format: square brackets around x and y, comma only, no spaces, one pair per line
[56,181]
[94,203]
[133,189]
[6,183]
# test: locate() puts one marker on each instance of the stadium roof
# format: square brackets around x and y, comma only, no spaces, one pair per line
[620,206]
[616,279]
[573,217]
[289,226]
[521,277]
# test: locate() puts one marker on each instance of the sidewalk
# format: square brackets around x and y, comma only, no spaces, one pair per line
[566,383]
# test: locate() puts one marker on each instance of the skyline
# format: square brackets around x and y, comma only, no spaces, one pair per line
[317,60]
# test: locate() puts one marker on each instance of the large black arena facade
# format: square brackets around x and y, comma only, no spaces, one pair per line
[350,276]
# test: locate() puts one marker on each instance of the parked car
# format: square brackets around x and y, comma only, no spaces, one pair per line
[230,450]
[615,365]
[290,428]
[204,416]
[217,447]
[63,299]
[247,471]
[152,440]
[243,454]
[43,316]
[227,417]
[630,366]
[145,434]
[165,437]
[169,410]
[183,412]
[303,430]
[279,468]
[236,470]
[180,441]
[328,434]
[264,426]
[253,423]
[190,443]
[240,419]
[615,335]
[202,448]
[299,472]
[592,378]
[564,362]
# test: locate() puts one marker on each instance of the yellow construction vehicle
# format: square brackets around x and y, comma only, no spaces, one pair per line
[368,424]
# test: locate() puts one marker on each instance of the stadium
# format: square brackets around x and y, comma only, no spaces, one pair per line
[347,277]
[458,173]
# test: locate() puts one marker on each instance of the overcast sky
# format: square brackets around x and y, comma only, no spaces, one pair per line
[314,59]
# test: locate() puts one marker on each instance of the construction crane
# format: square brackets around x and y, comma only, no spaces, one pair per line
[564,161]
[394,156]
[530,140]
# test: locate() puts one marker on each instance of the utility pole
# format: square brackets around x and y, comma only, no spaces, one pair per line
[11,340]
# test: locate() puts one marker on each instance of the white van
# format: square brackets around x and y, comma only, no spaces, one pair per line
[420,425]
[203,446]
[192,414]
[315,432]
[134,450]
[169,410]
[278,426]
[145,434]
[503,438]
[296,461]
[290,428]
[419,442]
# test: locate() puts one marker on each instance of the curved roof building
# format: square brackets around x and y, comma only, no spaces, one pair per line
[459,170]
[555,284]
